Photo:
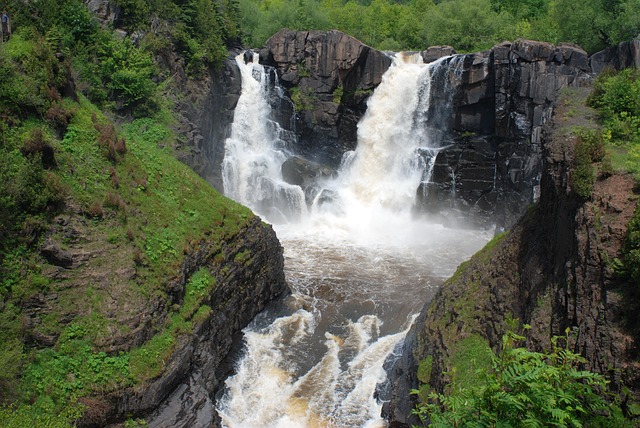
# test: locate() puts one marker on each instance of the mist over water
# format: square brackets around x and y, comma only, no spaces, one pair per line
[360,265]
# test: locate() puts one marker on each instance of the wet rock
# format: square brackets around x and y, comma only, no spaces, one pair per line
[436,52]
[335,73]
[189,405]
[301,172]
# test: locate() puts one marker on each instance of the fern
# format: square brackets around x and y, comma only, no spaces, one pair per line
[526,389]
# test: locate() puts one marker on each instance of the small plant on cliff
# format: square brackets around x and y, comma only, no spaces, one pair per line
[524,388]
[629,267]
[616,95]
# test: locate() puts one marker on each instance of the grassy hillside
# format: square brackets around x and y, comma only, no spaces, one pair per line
[96,218]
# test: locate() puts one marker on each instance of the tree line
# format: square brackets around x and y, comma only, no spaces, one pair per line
[467,25]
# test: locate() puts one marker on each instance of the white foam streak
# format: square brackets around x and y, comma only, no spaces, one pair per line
[356,259]
[264,392]
[263,371]
[386,168]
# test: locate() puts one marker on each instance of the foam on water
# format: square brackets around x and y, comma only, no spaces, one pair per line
[360,265]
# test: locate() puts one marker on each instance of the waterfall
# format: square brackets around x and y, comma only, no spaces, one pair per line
[255,151]
[359,265]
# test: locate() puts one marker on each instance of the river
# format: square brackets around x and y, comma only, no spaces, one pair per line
[358,260]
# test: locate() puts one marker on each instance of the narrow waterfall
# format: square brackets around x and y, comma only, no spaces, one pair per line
[255,151]
[359,265]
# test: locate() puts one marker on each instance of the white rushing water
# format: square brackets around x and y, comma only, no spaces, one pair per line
[255,151]
[359,264]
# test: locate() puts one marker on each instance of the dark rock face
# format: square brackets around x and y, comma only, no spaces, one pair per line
[330,75]
[549,271]
[491,167]
[213,123]
[183,396]
[626,54]
[106,11]
[301,172]
[433,53]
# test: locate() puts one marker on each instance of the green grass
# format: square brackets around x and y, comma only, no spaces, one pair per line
[152,211]
[469,357]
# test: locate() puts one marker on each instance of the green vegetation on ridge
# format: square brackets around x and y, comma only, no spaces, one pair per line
[520,388]
[467,25]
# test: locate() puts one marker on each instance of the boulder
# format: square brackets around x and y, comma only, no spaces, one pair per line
[56,255]
[625,54]
[301,172]
[433,53]
[106,11]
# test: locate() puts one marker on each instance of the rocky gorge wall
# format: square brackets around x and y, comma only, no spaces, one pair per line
[552,270]
[247,267]
[490,170]
[183,396]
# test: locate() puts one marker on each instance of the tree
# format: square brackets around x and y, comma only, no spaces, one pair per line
[596,24]
[467,25]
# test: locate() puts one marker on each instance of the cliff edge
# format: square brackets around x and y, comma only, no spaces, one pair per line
[553,270]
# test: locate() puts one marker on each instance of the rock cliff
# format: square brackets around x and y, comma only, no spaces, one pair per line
[490,170]
[247,268]
[503,99]
[552,271]
[329,76]
[187,386]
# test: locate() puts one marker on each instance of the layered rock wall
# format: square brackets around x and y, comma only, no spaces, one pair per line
[491,168]
[504,97]
[329,76]
[184,394]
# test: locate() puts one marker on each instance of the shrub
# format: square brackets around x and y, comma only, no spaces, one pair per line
[617,98]
[95,210]
[127,72]
[583,174]
[631,250]
[59,117]
[524,388]
[35,145]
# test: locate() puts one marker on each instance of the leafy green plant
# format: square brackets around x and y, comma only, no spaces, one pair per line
[127,71]
[525,388]
[583,174]
[629,266]
[616,95]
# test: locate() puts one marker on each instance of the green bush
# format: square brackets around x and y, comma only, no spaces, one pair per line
[630,267]
[127,72]
[616,95]
[524,388]
[583,174]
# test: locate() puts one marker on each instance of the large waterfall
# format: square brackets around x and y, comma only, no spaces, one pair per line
[358,263]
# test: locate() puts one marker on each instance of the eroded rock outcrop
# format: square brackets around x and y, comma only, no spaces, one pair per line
[329,75]
[106,11]
[623,55]
[504,97]
[490,169]
[192,374]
